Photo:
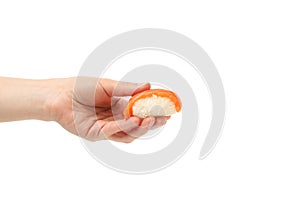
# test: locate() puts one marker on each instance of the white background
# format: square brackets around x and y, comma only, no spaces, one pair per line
[255,46]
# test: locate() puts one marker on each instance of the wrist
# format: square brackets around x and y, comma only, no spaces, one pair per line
[43,98]
[38,95]
[56,94]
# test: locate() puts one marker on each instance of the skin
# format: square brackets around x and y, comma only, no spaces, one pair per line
[87,107]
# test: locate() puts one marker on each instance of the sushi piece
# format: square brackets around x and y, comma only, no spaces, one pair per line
[154,102]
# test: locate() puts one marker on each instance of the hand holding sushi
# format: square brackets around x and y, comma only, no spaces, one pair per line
[93,109]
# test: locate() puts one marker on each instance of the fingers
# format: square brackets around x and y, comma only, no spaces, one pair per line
[128,130]
[160,121]
[146,125]
[114,127]
[119,88]
[128,137]
[124,139]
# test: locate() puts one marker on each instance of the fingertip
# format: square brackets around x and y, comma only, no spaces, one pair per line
[147,85]
[148,122]
[135,120]
[161,121]
[142,87]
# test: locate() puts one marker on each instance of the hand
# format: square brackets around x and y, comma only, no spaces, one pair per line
[94,109]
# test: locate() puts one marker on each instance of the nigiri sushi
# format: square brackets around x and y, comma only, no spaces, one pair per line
[153,102]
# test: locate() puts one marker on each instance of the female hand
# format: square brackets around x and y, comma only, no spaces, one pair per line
[93,109]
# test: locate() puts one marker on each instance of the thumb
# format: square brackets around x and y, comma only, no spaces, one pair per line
[120,88]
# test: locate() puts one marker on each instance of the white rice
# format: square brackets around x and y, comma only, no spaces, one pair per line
[153,106]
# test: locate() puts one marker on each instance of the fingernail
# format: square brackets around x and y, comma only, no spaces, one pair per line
[143,85]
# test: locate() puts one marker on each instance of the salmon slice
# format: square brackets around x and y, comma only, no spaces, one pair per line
[154,102]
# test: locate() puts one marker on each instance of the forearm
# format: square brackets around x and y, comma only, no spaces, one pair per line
[22,99]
